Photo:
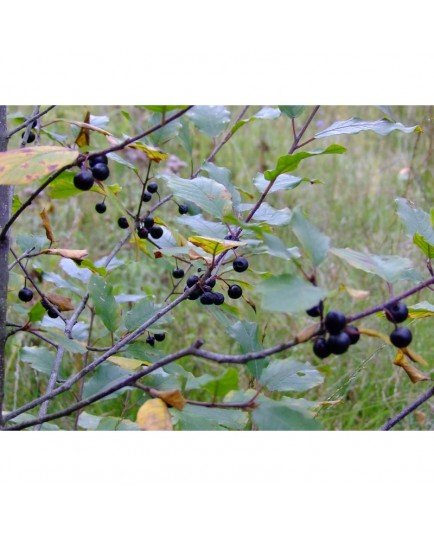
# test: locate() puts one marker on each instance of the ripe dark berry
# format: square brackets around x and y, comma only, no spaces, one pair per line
[152,187]
[159,336]
[397,313]
[146,197]
[321,348]
[335,321]
[45,304]
[195,294]
[178,273]
[401,337]
[123,223]
[156,232]
[235,292]
[25,294]
[192,280]
[142,233]
[83,180]
[240,264]
[353,333]
[183,209]
[150,340]
[149,222]
[101,159]
[101,207]
[206,288]
[100,171]
[339,343]
[31,137]
[52,313]
[316,310]
[218,298]
[207,298]
[211,283]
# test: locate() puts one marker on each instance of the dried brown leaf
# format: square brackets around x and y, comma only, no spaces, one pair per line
[83,138]
[413,373]
[307,333]
[172,398]
[61,302]
[47,225]
[74,254]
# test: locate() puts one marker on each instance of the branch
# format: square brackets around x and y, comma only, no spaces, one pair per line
[409,409]
[29,121]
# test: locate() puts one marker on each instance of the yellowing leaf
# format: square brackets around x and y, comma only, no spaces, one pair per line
[214,246]
[47,225]
[23,166]
[307,333]
[172,398]
[373,333]
[74,254]
[152,153]
[127,363]
[61,302]
[357,294]
[83,138]
[414,356]
[413,373]
[154,415]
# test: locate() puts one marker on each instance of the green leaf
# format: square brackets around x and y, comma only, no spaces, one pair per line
[40,359]
[16,203]
[57,280]
[268,214]
[142,311]
[290,375]
[203,419]
[277,415]
[207,194]
[264,113]
[210,120]
[23,166]
[104,302]
[163,108]
[104,377]
[315,243]
[292,111]
[70,345]
[116,158]
[283,182]
[185,137]
[287,293]
[415,219]
[24,417]
[222,175]
[290,162]
[115,424]
[246,334]
[37,312]
[199,225]
[383,127]
[31,242]
[391,268]
[217,386]
[164,134]
[276,248]
[63,187]
[423,245]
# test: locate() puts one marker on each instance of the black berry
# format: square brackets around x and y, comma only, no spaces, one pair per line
[339,343]
[240,264]
[401,337]
[178,273]
[101,207]
[321,348]
[142,233]
[195,294]
[101,159]
[235,292]
[100,171]
[150,340]
[45,304]
[149,222]
[123,223]
[218,298]
[183,209]
[146,197]
[152,187]
[335,321]
[159,336]
[52,313]
[156,232]
[25,294]
[211,283]
[192,280]
[397,313]
[316,310]
[353,333]
[83,180]
[207,298]
[31,137]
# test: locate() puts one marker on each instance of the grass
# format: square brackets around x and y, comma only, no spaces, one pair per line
[353,205]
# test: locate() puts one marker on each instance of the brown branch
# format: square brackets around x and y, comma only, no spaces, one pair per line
[29,121]
[409,409]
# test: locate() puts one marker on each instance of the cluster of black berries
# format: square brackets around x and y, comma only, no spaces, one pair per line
[397,313]
[50,310]
[85,178]
[204,292]
[152,188]
[145,227]
[340,336]
[159,337]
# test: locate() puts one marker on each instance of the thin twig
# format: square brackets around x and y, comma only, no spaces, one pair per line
[30,121]
[409,409]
